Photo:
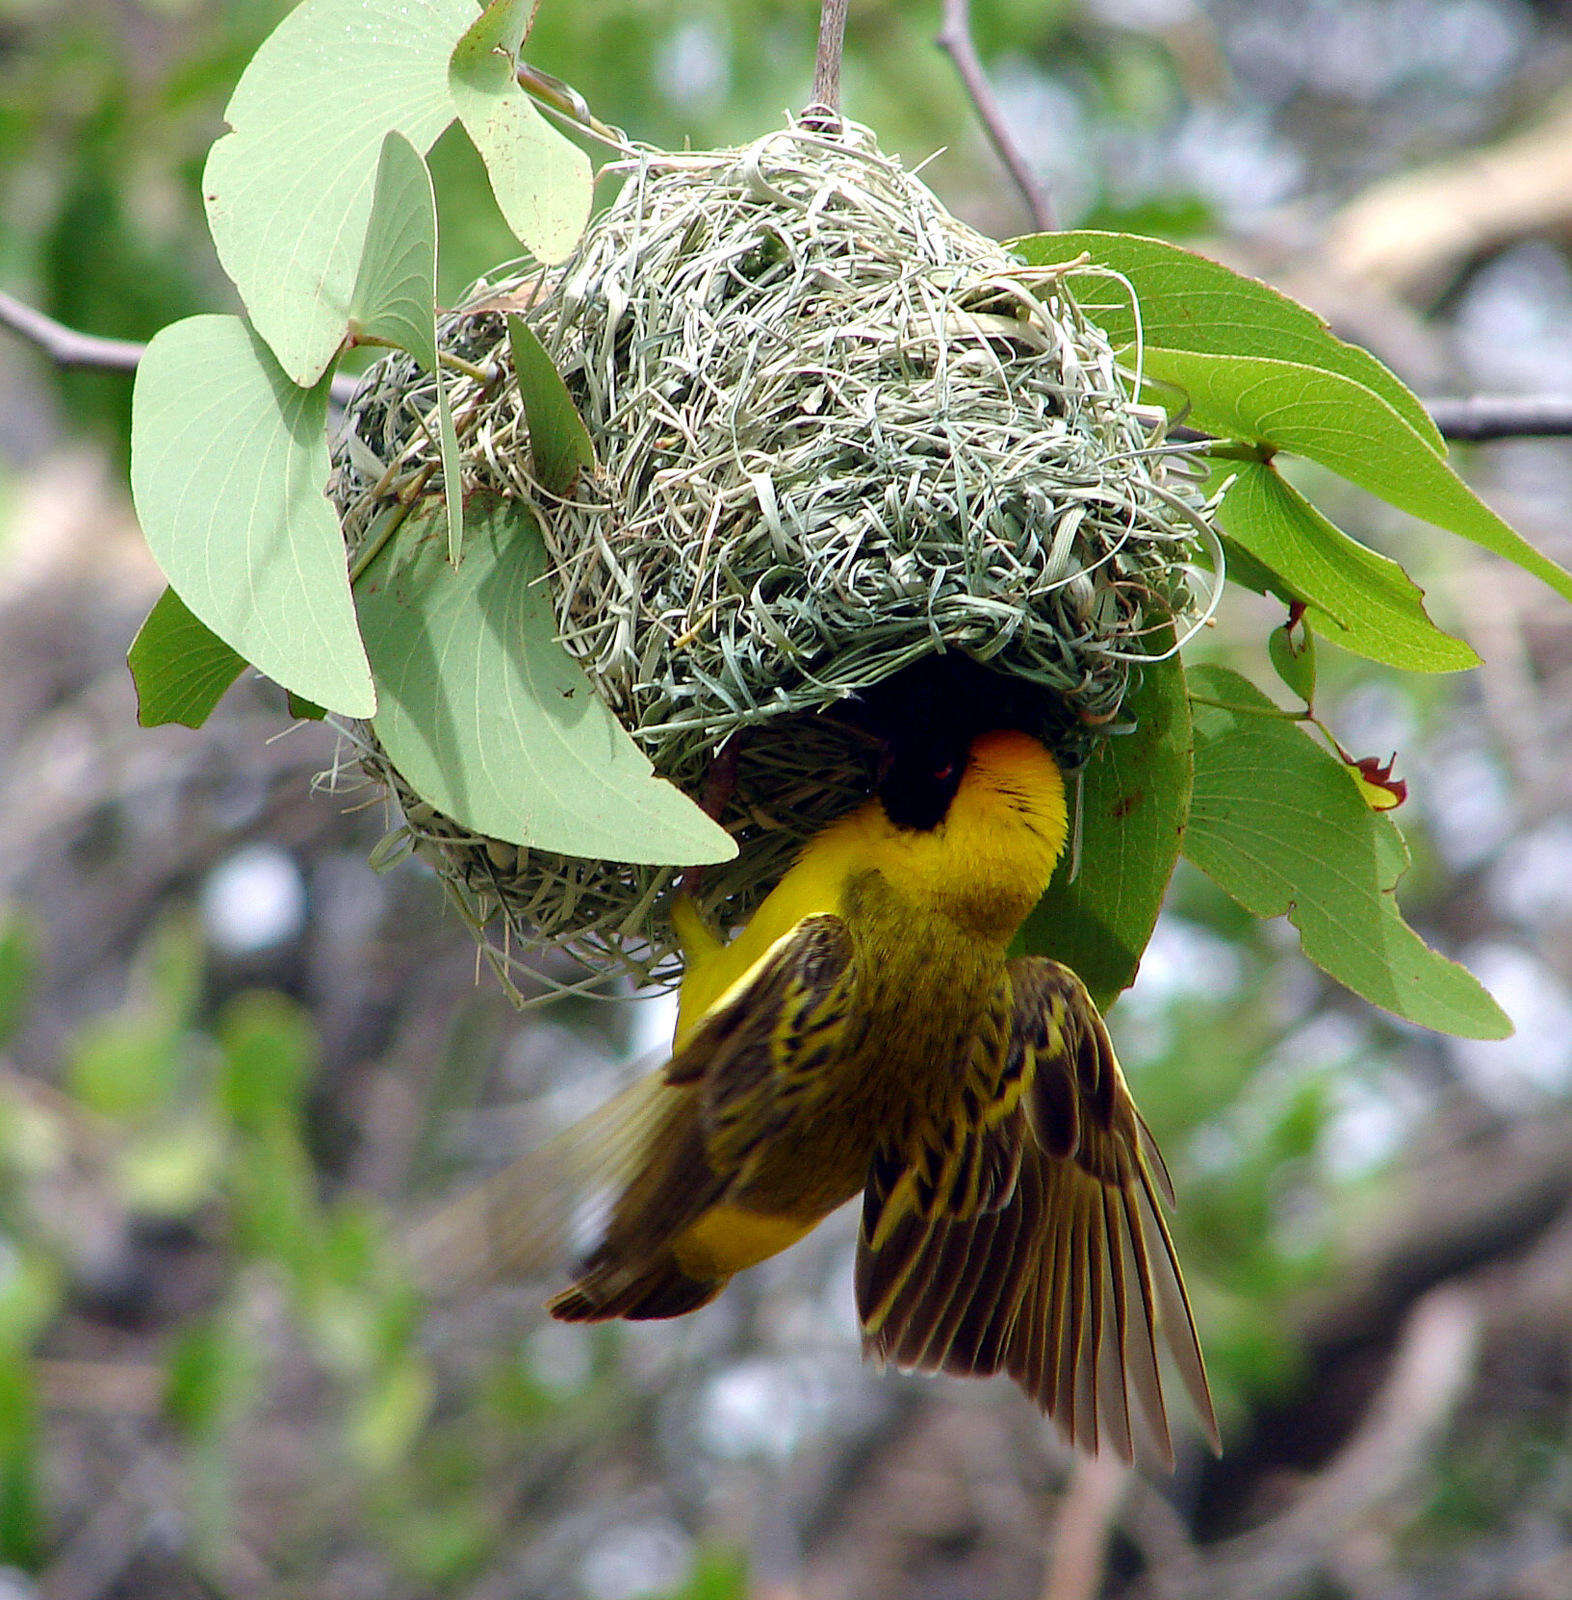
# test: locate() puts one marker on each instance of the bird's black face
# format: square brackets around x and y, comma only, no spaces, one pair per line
[926,718]
[921,774]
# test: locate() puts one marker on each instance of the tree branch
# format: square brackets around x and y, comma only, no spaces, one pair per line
[68,348]
[1392,1451]
[65,346]
[1474,419]
[1489,416]
[955,39]
[827,62]
[1077,1556]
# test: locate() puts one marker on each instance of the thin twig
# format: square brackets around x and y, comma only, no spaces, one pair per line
[955,39]
[68,348]
[452,362]
[1489,416]
[827,60]
[567,102]
[1475,419]
[65,346]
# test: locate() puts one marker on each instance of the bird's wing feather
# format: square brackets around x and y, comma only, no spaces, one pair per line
[520,1222]
[968,1165]
[770,1039]
[666,1148]
[1069,1285]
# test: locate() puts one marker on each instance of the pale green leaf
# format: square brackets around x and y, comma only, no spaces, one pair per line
[288,192]
[489,719]
[229,461]
[559,443]
[1280,825]
[1245,570]
[305,710]
[395,294]
[1134,795]
[1189,302]
[1357,599]
[18,971]
[1292,653]
[540,178]
[1331,419]
[181,668]
[394,297]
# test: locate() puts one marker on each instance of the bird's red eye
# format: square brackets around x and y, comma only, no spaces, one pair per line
[944,773]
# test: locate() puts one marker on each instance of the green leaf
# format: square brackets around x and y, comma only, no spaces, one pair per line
[269,1054]
[23,1516]
[1279,824]
[275,1209]
[540,178]
[395,294]
[1256,365]
[209,1372]
[31,1292]
[228,463]
[1250,573]
[559,443]
[135,1062]
[490,720]
[718,1574]
[288,192]
[172,1169]
[1134,796]
[386,1414]
[124,1066]
[180,667]
[1294,659]
[394,297]
[1189,302]
[1326,417]
[18,963]
[305,710]
[1356,598]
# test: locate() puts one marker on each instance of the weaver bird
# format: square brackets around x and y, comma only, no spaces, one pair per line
[866,1033]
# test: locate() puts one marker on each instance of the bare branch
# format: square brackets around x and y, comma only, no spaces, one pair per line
[68,348]
[1478,419]
[65,346]
[1489,416]
[827,62]
[1472,419]
[955,39]
[1078,1539]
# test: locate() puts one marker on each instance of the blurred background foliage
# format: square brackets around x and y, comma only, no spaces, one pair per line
[236,1064]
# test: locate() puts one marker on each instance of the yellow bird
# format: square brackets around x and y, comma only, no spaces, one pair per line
[866,1033]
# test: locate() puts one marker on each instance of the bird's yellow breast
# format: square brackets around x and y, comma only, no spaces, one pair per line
[982,867]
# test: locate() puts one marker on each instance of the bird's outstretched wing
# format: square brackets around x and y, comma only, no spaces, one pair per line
[723,1096]
[1072,1281]
[660,1152]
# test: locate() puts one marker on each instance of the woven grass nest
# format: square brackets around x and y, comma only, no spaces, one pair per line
[836,430]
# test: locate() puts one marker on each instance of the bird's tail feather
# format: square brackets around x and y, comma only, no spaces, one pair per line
[661,1289]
